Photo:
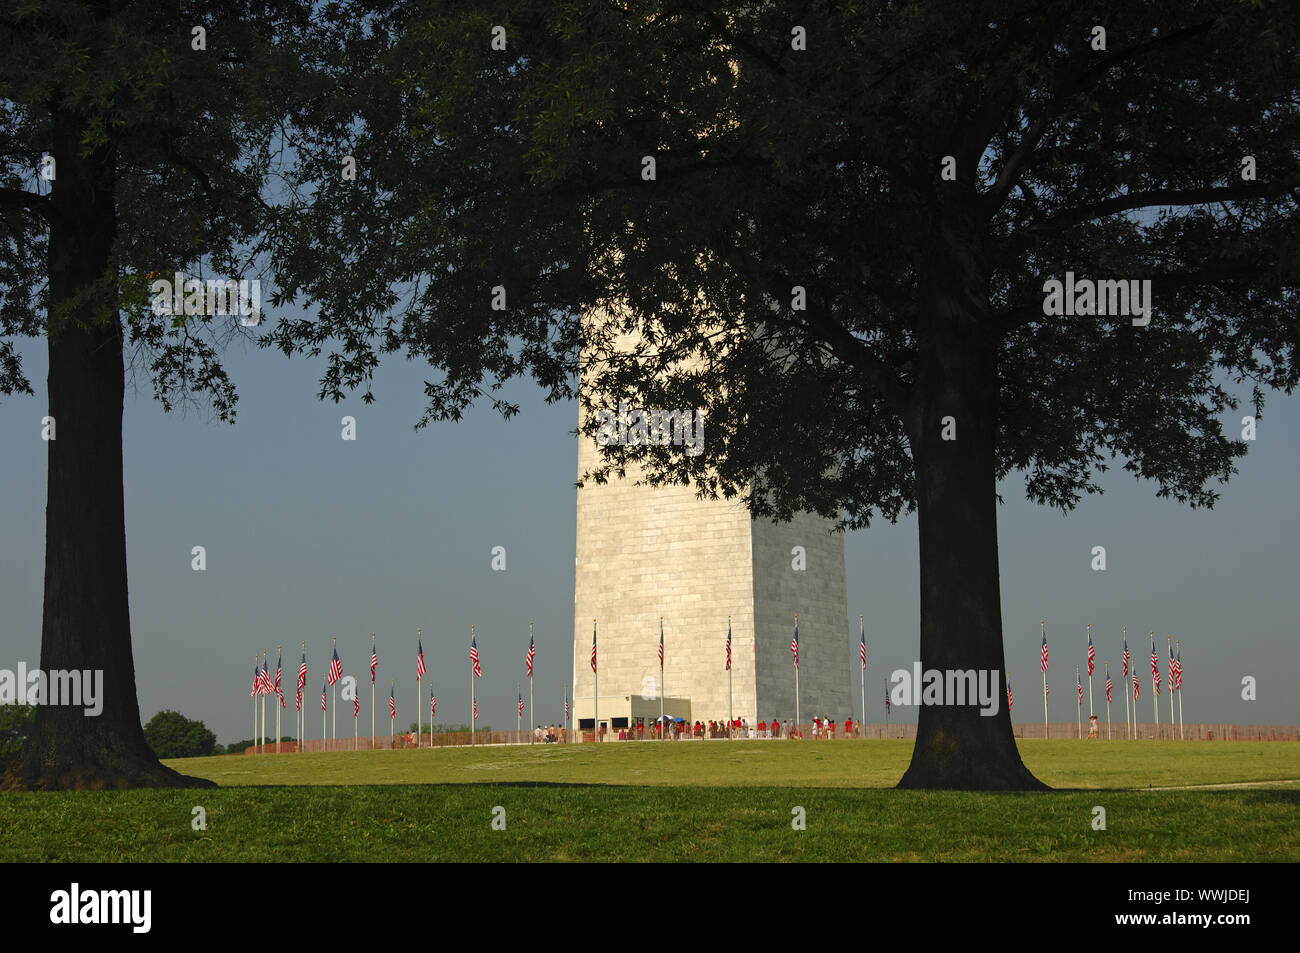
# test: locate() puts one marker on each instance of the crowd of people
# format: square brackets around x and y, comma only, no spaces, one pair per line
[822,727]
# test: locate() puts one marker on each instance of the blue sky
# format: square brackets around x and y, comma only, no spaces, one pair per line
[309,536]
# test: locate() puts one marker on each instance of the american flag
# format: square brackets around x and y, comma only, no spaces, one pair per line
[1136,691]
[1155,667]
[336,667]
[476,709]
[281,694]
[521,706]
[433,706]
[1171,665]
[794,644]
[419,660]
[566,708]
[257,682]
[279,657]
[1108,684]
[593,647]
[374,661]
[392,704]
[1092,653]
[528,660]
[322,696]
[1178,671]
[661,645]
[356,706]
[1126,657]
[887,700]
[728,668]
[302,673]
[862,641]
[1047,690]
[473,656]
[1079,684]
[1044,653]
[1011,699]
[298,701]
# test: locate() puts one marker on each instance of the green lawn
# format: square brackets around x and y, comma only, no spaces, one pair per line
[856,764]
[686,801]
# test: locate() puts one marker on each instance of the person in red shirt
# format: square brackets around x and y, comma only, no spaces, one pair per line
[762,729]
[848,727]
[830,729]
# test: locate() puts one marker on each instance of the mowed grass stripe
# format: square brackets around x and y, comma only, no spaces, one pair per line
[424,823]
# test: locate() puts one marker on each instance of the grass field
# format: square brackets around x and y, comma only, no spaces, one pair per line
[712,801]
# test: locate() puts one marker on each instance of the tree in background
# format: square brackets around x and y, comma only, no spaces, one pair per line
[171,735]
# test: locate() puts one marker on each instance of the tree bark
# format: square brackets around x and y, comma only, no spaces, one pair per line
[86,622]
[961,602]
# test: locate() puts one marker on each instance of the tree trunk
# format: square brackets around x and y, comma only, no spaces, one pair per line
[86,623]
[961,604]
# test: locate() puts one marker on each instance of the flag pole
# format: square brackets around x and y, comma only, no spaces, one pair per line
[1180,689]
[796,676]
[324,735]
[356,726]
[662,687]
[373,654]
[730,696]
[1078,715]
[419,690]
[595,687]
[392,715]
[1170,642]
[862,639]
[473,706]
[334,724]
[302,709]
[255,680]
[280,653]
[1135,688]
[1044,668]
[518,714]
[1091,710]
[532,714]
[1155,685]
[1128,727]
[1108,736]
[264,687]
[886,707]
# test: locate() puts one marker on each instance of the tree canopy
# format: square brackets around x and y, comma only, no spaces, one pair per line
[171,735]
[846,231]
